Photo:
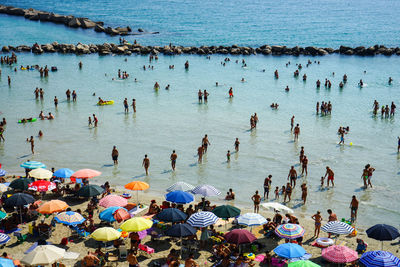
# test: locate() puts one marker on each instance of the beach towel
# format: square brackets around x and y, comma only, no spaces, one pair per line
[260,258]
[71,255]
[137,210]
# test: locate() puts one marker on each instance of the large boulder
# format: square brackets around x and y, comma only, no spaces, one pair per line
[56,18]
[322,52]
[48,48]
[74,23]
[312,50]
[5,49]
[82,49]
[122,30]
[87,23]
[37,50]
[99,28]
[44,16]
[278,48]
[3,9]
[24,48]
[111,31]
[15,11]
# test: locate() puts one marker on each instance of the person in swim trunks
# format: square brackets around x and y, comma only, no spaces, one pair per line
[288,192]
[317,219]
[205,143]
[200,95]
[114,155]
[292,176]
[267,185]
[353,209]
[126,106]
[256,200]
[237,143]
[364,175]
[146,164]
[331,176]
[173,158]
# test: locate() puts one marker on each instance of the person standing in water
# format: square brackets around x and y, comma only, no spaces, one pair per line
[200,95]
[205,143]
[292,176]
[134,105]
[304,165]
[205,96]
[228,156]
[304,193]
[187,65]
[370,171]
[173,158]
[114,155]
[55,101]
[237,143]
[341,138]
[146,164]
[95,120]
[200,152]
[291,123]
[330,174]
[32,142]
[126,106]
[296,132]
[353,209]
[267,186]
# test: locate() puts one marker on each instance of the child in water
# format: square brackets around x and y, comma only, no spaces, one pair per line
[277,192]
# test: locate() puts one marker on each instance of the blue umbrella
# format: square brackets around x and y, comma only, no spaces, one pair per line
[383,232]
[379,258]
[4,239]
[289,250]
[2,172]
[6,262]
[202,219]
[179,197]
[108,214]
[32,165]
[181,230]
[19,199]
[63,173]
[171,215]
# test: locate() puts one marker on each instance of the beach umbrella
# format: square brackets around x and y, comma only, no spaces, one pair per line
[289,250]
[2,172]
[2,215]
[42,186]
[206,190]
[4,239]
[69,218]
[63,173]
[3,188]
[32,165]
[276,206]
[52,206]
[179,197]
[303,263]
[84,174]
[171,215]
[137,186]
[181,230]
[289,231]
[6,262]
[121,215]
[20,184]
[19,199]
[43,255]
[108,214]
[339,254]
[226,211]
[90,190]
[202,219]
[251,219]
[240,236]
[41,173]
[181,186]
[379,258]
[337,228]
[136,224]
[113,201]
[105,234]
[383,232]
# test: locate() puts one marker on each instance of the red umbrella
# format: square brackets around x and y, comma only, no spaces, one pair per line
[240,236]
[339,254]
[121,215]
[84,174]
[113,200]
[42,186]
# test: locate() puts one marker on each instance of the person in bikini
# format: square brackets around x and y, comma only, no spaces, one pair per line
[256,200]
[317,219]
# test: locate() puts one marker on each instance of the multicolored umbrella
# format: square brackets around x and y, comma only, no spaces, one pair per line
[2,172]
[111,214]
[251,219]
[113,201]
[69,218]
[202,219]
[105,234]
[240,236]
[379,258]
[63,173]
[32,165]
[339,254]
[42,186]
[289,231]
[289,251]
[136,224]
[303,263]
[206,190]
[20,184]
[179,197]
[226,211]
[43,255]
[53,206]
[4,239]
[337,228]
[41,173]
[181,186]
[171,215]
[85,174]
[276,206]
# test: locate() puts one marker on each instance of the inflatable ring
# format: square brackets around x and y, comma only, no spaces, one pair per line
[250,256]
[324,242]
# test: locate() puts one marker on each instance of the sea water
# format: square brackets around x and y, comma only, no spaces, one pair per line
[173,119]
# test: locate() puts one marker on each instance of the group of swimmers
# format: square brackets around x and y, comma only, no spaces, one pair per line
[326,108]
[385,110]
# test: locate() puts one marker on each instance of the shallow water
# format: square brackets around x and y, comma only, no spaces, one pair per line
[167,120]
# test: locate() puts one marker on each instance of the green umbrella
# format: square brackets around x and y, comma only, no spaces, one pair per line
[303,264]
[21,184]
[226,211]
[2,215]
[90,190]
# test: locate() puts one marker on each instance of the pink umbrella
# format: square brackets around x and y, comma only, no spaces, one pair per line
[113,200]
[121,215]
[42,186]
[84,174]
[339,254]
[240,236]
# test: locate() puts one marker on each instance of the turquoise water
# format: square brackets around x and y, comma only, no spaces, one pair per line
[167,120]
[248,22]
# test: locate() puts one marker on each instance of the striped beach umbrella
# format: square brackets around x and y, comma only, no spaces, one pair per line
[251,219]
[69,218]
[289,231]
[339,254]
[206,190]
[4,238]
[379,258]
[113,201]
[2,172]
[182,186]
[337,228]
[202,219]
[32,165]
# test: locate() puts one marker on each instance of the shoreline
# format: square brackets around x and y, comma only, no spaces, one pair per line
[129,49]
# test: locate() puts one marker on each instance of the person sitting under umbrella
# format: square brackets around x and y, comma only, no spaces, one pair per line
[153,208]
[269,228]
[361,246]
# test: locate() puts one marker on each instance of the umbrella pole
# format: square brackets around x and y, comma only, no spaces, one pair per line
[137,197]
[381,245]
[20,213]
[181,247]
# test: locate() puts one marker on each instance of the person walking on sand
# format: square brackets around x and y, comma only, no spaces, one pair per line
[256,200]
[146,164]
[32,142]
[173,158]
[317,222]
[200,152]
[292,176]
[267,185]
[330,174]
[353,209]
[126,106]
[114,155]
[296,132]
[237,143]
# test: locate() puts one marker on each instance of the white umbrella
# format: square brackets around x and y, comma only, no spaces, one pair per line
[251,219]
[43,255]
[182,186]
[206,190]
[276,206]
[41,174]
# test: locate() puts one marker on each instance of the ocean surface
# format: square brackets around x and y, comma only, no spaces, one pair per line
[173,119]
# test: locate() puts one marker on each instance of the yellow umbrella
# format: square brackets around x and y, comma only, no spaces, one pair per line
[105,234]
[53,206]
[136,224]
[41,174]
[137,186]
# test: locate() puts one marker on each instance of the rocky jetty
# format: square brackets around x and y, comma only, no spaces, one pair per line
[69,21]
[128,49]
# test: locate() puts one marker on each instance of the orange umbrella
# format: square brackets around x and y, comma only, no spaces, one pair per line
[137,186]
[85,174]
[121,215]
[52,206]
